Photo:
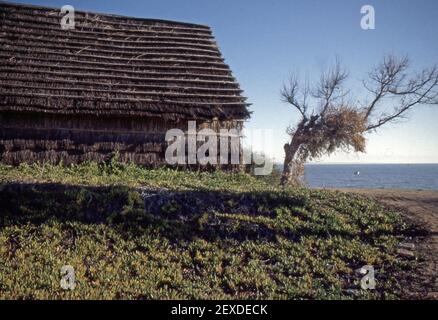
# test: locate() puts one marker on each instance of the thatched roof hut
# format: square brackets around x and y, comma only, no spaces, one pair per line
[113,83]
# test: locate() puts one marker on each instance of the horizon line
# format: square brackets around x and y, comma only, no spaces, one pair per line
[356,163]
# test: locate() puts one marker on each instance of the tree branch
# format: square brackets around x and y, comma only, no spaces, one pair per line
[329,88]
[386,76]
[290,93]
[405,92]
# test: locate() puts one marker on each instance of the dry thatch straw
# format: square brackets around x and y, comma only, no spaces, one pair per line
[112,84]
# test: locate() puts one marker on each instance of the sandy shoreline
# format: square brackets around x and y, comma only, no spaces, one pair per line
[421,207]
[404,192]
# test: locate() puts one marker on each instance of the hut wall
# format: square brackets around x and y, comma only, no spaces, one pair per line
[74,139]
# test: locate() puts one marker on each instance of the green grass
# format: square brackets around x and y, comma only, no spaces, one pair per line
[134,233]
[115,173]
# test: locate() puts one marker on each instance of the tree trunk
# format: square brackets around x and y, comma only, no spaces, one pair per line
[290,150]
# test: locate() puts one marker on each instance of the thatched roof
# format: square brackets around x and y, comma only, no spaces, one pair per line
[112,65]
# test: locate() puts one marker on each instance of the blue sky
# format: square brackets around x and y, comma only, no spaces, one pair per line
[263,41]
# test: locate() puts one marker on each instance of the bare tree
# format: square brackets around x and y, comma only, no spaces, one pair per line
[329,120]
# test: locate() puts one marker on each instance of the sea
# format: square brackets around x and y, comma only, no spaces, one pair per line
[373,176]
